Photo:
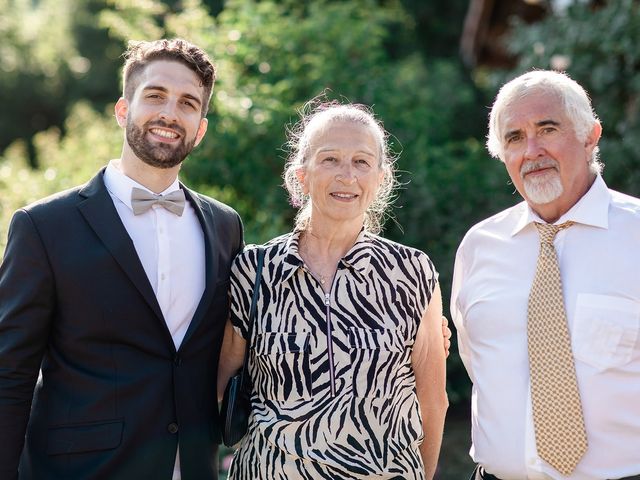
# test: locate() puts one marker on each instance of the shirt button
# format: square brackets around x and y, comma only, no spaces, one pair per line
[172,428]
[162,277]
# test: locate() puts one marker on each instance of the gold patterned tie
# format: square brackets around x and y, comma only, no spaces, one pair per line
[561,439]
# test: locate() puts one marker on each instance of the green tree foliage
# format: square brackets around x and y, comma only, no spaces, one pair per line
[51,55]
[31,68]
[598,47]
[438,25]
[273,57]
[66,160]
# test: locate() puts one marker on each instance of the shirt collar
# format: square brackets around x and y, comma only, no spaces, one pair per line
[292,259]
[119,185]
[592,209]
[357,258]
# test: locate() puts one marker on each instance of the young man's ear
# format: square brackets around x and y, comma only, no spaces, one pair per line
[121,111]
[202,129]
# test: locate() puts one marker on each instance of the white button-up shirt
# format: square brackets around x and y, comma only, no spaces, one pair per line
[599,260]
[171,250]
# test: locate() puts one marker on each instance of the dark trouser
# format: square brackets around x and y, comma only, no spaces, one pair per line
[480,474]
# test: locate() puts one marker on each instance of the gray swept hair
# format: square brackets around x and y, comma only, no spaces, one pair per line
[315,116]
[569,93]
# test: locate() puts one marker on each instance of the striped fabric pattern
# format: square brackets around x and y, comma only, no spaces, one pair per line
[371,427]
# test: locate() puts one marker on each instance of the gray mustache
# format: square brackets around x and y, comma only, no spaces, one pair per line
[537,164]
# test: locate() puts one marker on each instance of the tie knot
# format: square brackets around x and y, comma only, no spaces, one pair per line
[548,232]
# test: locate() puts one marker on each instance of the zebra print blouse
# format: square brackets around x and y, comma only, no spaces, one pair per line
[331,373]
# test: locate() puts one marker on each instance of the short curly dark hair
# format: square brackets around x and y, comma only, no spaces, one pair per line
[140,53]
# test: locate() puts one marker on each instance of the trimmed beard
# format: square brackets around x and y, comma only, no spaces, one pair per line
[541,190]
[159,155]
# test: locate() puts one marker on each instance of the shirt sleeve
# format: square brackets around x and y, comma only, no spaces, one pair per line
[427,281]
[459,270]
[243,276]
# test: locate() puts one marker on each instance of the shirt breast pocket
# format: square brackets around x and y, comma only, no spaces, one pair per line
[605,330]
[377,356]
[282,370]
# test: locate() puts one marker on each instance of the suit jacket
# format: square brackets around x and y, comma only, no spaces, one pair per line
[114,397]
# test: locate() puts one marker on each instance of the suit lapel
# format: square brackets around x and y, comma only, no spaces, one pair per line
[205,216]
[96,206]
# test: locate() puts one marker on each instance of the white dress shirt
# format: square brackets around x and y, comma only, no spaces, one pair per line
[171,250]
[599,261]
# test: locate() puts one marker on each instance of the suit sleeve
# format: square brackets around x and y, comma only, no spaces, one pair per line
[26,306]
[240,246]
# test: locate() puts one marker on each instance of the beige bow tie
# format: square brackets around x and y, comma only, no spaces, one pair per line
[142,200]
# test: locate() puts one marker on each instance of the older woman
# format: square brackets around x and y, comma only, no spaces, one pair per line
[346,364]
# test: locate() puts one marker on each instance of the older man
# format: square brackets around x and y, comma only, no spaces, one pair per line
[546,299]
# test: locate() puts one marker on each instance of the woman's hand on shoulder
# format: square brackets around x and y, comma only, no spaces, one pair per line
[446,335]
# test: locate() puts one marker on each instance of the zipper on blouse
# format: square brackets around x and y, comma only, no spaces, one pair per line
[332,373]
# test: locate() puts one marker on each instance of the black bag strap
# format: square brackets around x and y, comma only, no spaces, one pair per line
[252,315]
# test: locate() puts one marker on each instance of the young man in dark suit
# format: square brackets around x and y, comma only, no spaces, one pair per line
[116,291]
